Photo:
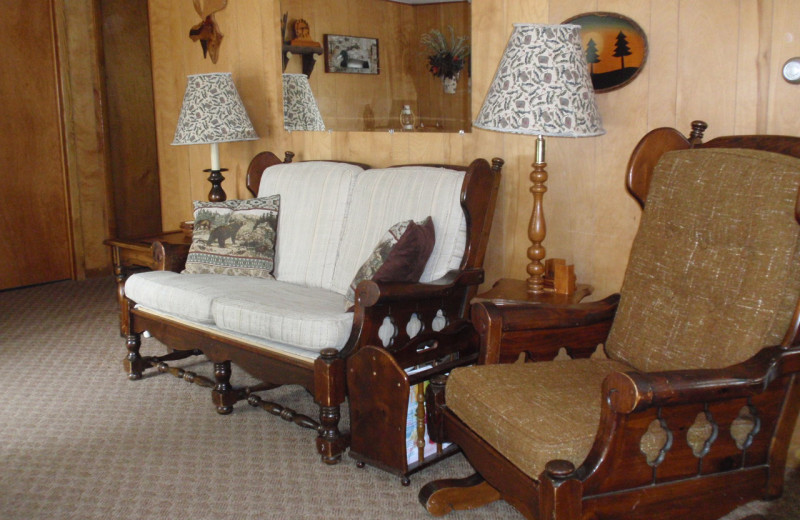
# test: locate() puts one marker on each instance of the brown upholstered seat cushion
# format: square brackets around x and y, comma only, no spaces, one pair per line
[714,272]
[533,413]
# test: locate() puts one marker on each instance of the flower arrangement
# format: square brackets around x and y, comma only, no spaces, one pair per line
[446,57]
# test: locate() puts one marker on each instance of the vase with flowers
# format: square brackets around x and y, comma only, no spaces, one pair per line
[446,56]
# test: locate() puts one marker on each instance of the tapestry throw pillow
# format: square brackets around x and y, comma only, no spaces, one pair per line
[400,256]
[235,237]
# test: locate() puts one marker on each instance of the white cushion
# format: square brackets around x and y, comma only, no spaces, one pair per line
[383,197]
[306,317]
[187,296]
[314,201]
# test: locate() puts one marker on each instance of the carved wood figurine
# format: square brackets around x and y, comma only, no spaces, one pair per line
[207,31]
[302,35]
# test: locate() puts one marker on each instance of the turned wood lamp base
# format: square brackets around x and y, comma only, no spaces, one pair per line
[217,194]
[554,275]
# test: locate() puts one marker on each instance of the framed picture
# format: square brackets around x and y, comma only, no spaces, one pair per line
[351,54]
[615,47]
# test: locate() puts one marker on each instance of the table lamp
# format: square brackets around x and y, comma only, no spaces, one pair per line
[542,87]
[300,110]
[213,113]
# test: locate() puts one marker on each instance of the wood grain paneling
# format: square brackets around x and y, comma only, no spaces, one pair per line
[133,160]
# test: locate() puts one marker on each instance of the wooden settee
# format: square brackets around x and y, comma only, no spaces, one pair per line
[309,262]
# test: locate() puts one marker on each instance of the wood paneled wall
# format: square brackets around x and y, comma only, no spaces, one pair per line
[133,159]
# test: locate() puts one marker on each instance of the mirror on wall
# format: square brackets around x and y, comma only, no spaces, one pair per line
[371,62]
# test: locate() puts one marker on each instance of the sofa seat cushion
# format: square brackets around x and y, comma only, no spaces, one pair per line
[533,413]
[187,296]
[314,201]
[383,197]
[306,317]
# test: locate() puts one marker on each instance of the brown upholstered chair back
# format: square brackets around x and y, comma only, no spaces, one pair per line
[714,272]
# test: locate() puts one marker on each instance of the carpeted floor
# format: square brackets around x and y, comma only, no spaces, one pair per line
[79,441]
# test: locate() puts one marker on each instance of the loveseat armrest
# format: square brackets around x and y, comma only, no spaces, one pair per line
[370,293]
[425,320]
[540,330]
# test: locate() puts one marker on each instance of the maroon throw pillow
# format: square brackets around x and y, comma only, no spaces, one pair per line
[408,257]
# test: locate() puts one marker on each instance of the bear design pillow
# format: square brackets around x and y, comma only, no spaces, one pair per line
[235,237]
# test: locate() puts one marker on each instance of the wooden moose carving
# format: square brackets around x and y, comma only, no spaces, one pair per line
[207,31]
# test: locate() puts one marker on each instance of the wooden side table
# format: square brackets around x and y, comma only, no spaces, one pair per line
[162,252]
[511,322]
[510,291]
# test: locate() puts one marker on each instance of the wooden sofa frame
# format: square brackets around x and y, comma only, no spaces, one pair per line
[612,482]
[325,377]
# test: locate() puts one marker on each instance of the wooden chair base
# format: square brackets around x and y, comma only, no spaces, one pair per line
[442,496]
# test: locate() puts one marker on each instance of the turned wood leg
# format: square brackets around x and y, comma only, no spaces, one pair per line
[133,362]
[223,395]
[560,492]
[120,275]
[442,496]
[331,443]
[329,393]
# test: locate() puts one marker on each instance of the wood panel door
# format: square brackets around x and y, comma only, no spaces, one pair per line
[34,217]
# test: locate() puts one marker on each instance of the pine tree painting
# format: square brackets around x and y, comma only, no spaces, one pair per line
[615,48]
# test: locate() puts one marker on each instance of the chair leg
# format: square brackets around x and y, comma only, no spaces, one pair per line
[223,395]
[329,394]
[560,492]
[442,496]
[134,364]
[331,443]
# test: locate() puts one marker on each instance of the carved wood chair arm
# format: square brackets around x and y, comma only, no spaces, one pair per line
[525,316]
[634,391]
[370,293]
[541,330]
[170,257]
[760,394]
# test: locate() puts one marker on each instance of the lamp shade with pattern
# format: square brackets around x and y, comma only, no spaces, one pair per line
[300,110]
[542,87]
[212,113]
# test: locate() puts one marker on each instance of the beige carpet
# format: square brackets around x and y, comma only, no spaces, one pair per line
[79,441]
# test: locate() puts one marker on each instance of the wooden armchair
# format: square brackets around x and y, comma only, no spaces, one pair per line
[690,411]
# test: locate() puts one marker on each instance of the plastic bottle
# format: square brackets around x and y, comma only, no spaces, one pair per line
[407,118]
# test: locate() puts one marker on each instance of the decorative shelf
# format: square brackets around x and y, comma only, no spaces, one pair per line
[309,55]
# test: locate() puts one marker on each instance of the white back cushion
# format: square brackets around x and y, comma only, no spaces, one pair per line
[314,200]
[383,197]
